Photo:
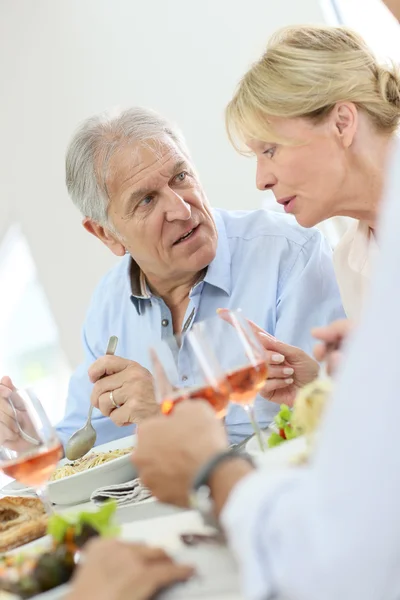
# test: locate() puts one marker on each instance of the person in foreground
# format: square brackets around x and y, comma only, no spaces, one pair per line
[131,176]
[321,116]
[329,530]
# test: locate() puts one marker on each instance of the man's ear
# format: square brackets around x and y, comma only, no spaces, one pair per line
[105,235]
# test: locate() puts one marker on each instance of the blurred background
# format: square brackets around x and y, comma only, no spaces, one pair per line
[61,61]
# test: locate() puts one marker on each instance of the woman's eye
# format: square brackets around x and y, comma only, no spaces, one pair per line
[146,201]
[270,152]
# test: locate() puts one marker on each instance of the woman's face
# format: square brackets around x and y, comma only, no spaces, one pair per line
[308,177]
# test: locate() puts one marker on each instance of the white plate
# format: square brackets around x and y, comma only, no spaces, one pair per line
[280,456]
[78,488]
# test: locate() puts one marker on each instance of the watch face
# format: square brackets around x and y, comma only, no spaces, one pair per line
[201,500]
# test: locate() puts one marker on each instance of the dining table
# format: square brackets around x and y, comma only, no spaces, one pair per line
[216,572]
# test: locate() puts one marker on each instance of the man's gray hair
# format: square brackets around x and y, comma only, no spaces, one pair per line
[95,142]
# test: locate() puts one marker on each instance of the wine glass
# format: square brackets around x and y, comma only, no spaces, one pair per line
[241,357]
[194,374]
[30,448]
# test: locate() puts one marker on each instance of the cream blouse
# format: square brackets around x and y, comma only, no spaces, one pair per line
[353,259]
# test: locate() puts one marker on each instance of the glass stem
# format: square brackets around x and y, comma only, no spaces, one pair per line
[251,412]
[41,491]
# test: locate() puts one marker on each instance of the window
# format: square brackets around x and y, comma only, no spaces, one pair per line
[30,351]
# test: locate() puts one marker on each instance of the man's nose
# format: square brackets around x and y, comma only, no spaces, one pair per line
[177,208]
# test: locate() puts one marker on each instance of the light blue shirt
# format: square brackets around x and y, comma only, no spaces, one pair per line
[278,273]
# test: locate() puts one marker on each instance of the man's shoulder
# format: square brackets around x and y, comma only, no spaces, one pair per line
[254,224]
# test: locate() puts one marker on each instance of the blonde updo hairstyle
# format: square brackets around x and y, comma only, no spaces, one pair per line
[304,72]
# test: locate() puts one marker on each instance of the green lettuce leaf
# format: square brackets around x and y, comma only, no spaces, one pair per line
[274,440]
[101,520]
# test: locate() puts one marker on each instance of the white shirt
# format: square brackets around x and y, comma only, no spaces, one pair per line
[331,531]
[353,259]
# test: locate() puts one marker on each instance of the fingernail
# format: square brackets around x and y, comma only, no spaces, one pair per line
[267,335]
[288,371]
[278,358]
[289,381]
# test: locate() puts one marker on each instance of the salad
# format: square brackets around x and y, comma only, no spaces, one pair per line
[306,415]
[26,574]
[285,428]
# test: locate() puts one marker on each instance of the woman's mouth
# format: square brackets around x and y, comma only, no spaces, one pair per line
[288,203]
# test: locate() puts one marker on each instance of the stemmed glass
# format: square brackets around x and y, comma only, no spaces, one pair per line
[192,375]
[30,448]
[241,357]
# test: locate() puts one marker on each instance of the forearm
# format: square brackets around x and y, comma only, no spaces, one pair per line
[224,479]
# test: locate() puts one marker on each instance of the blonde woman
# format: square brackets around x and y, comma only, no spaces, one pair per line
[320,114]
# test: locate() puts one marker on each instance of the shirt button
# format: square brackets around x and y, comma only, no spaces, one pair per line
[184,378]
[165,322]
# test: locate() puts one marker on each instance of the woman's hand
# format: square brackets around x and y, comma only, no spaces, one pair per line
[332,339]
[289,368]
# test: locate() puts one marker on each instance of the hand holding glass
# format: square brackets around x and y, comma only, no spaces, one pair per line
[30,448]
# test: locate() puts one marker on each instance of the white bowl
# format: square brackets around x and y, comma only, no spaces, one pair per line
[78,488]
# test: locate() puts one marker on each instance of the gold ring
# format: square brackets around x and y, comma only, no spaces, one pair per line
[115,405]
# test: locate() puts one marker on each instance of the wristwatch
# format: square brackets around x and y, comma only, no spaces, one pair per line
[200,494]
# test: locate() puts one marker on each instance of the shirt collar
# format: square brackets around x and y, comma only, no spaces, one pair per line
[218,272]
[363,245]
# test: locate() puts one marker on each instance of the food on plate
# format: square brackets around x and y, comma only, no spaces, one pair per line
[306,414]
[32,572]
[22,520]
[88,462]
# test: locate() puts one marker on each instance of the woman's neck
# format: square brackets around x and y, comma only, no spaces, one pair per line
[366,180]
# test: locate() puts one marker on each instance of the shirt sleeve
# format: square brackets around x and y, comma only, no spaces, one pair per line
[94,340]
[331,530]
[308,294]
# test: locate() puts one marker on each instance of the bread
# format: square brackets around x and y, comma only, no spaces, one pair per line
[22,520]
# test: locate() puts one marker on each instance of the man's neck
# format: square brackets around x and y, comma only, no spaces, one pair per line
[175,295]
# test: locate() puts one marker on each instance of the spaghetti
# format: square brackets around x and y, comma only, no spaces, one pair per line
[88,462]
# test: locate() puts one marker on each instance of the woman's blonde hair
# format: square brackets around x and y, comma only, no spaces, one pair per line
[304,72]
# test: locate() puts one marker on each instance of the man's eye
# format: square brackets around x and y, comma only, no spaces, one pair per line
[146,201]
[181,176]
[270,152]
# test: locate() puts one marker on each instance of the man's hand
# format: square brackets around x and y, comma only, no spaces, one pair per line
[170,450]
[10,436]
[332,337]
[132,387]
[113,570]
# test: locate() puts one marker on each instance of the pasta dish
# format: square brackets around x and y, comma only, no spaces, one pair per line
[88,462]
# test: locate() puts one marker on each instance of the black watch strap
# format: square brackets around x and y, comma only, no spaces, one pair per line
[203,476]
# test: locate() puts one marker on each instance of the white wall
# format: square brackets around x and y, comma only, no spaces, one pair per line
[62,60]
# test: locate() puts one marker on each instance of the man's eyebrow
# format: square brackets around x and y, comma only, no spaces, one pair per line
[137,195]
[141,192]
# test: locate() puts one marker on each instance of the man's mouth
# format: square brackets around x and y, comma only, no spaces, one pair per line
[186,236]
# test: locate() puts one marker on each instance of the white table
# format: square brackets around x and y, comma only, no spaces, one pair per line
[161,525]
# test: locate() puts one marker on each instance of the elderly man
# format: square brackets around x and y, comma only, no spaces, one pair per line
[132,178]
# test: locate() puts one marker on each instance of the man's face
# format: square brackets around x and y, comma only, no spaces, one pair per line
[160,212]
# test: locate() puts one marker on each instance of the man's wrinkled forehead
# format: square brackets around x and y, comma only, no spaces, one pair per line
[134,164]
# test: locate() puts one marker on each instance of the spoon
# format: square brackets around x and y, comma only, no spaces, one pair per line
[24,435]
[84,439]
